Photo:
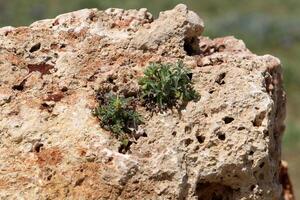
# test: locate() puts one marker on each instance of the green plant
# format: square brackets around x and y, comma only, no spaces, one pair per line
[118,116]
[167,84]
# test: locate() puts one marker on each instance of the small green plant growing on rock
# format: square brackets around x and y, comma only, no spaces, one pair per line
[165,85]
[118,116]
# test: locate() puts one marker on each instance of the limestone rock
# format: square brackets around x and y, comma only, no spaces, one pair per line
[225,146]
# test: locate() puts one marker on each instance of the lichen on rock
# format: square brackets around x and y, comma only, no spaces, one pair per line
[225,146]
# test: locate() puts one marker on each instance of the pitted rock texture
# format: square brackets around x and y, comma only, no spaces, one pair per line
[225,146]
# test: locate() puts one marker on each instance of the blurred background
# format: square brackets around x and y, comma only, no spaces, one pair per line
[266,26]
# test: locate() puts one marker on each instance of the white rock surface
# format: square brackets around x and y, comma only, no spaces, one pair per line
[225,146]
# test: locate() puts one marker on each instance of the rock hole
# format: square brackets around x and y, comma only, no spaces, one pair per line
[188,141]
[220,78]
[47,107]
[174,133]
[35,47]
[145,134]
[262,165]
[241,128]
[79,182]
[110,79]
[211,91]
[266,133]
[49,177]
[187,129]
[19,87]
[64,89]
[191,46]
[228,120]
[251,153]
[259,119]
[200,138]
[115,88]
[220,48]
[252,187]
[221,136]
[37,147]
[213,191]
[125,148]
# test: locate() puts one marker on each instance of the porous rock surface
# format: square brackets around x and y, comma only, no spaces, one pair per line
[225,146]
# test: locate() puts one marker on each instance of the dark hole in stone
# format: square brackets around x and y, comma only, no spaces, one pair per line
[259,119]
[200,138]
[228,120]
[110,79]
[47,107]
[220,78]
[64,89]
[115,88]
[145,134]
[251,153]
[221,136]
[213,191]
[19,87]
[79,181]
[124,148]
[266,133]
[221,48]
[174,133]
[241,128]
[252,187]
[190,75]
[188,141]
[110,159]
[35,47]
[37,147]
[49,177]
[191,46]
[211,91]
[262,165]
[187,129]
